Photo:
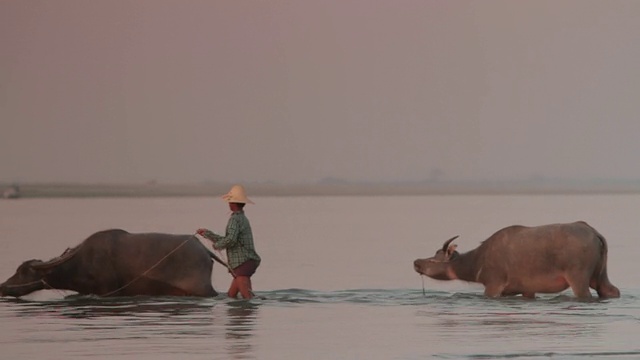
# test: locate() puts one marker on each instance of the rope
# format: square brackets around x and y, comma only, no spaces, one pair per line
[218,258]
[60,291]
[146,272]
[226,264]
[47,284]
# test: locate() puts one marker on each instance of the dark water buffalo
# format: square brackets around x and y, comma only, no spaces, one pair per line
[117,263]
[529,260]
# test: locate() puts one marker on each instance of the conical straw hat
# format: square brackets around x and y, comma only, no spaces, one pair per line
[237,195]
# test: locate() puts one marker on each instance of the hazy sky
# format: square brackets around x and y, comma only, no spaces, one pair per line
[289,91]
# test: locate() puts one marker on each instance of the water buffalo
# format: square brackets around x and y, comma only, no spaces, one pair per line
[117,263]
[529,260]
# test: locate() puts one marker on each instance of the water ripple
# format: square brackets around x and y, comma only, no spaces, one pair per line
[550,326]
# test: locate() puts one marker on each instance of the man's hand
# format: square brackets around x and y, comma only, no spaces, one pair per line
[201,231]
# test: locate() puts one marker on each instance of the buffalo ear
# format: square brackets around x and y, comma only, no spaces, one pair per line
[36,264]
[451,250]
[66,255]
[40,265]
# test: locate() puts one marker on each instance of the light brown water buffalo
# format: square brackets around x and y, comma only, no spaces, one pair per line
[117,263]
[529,260]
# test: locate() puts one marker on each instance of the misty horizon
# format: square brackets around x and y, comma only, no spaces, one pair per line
[338,181]
[409,91]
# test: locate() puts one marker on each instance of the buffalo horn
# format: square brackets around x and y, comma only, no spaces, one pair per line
[446,243]
[55,261]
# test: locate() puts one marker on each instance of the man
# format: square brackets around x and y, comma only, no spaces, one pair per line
[238,241]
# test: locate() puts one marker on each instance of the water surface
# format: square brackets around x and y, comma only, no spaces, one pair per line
[336,283]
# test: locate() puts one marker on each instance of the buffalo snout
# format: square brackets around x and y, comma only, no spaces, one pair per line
[432,268]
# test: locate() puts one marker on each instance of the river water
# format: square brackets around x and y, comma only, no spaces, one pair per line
[336,282]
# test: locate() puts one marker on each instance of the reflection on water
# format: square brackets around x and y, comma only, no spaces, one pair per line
[240,329]
[545,327]
[134,326]
[86,307]
[220,328]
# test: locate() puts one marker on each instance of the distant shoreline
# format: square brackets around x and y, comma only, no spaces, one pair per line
[70,190]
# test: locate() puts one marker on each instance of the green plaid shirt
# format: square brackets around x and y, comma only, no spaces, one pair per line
[238,240]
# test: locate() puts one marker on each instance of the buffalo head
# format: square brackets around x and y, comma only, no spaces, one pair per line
[28,278]
[437,267]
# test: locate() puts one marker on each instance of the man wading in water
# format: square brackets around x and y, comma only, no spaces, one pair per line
[238,241]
